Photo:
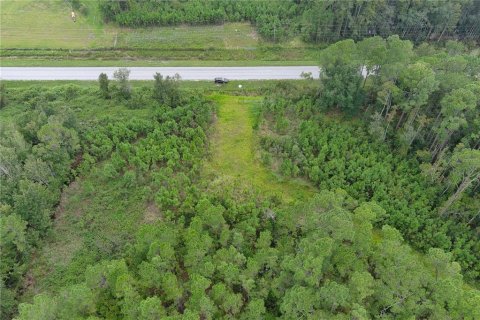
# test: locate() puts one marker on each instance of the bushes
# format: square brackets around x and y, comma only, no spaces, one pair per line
[166,91]
[225,257]
[314,21]
[334,155]
[49,147]
[103,84]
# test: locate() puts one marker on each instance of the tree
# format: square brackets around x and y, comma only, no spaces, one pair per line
[34,204]
[3,97]
[399,54]
[399,288]
[152,309]
[372,52]
[341,76]
[125,89]
[465,171]
[77,300]
[361,286]
[165,90]
[334,295]
[455,107]
[417,81]
[255,310]
[298,303]
[342,88]
[43,307]
[103,83]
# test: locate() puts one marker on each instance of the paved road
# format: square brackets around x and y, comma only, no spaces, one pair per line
[146,73]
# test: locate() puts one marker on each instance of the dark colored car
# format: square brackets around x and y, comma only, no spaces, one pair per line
[221,80]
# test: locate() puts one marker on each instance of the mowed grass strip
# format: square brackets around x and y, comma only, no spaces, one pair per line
[226,36]
[234,154]
[41,62]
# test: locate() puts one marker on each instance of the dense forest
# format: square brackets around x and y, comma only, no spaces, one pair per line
[315,21]
[417,152]
[236,258]
[389,137]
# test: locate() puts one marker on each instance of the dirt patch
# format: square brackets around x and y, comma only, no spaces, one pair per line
[71,189]
[152,213]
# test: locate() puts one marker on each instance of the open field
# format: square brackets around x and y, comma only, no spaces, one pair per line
[234,151]
[47,24]
[42,33]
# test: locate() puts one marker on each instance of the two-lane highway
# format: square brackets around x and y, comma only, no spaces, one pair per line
[146,73]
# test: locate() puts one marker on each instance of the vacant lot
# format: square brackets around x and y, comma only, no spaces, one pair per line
[234,151]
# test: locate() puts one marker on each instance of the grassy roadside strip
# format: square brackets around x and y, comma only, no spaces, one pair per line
[27,62]
[248,87]
[164,54]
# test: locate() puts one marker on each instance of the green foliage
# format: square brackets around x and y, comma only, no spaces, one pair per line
[165,91]
[342,88]
[289,266]
[315,21]
[103,83]
[124,89]
[333,155]
[3,95]
[138,157]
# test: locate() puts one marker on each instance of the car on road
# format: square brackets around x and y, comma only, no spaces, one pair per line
[221,80]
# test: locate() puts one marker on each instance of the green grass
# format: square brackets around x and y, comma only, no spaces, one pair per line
[226,36]
[248,87]
[44,30]
[96,218]
[47,24]
[233,144]
[39,62]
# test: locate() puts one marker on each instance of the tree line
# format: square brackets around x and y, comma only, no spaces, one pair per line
[315,21]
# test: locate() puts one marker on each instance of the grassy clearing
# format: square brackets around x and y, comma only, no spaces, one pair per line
[259,54]
[234,154]
[95,219]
